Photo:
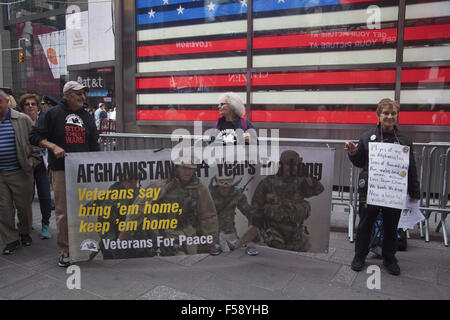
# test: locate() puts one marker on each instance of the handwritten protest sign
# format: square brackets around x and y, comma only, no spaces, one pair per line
[388,175]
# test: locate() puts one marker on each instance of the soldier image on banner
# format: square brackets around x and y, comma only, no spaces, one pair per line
[149,203]
[198,218]
[227,198]
[113,218]
[281,206]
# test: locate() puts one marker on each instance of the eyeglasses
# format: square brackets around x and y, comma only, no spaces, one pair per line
[33,104]
[223,103]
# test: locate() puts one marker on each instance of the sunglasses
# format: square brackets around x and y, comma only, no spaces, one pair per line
[223,103]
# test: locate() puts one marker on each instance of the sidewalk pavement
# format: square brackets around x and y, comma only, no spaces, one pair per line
[32,273]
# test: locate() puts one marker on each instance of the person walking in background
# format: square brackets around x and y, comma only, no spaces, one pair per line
[100,114]
[47,102]
[67,127]
[29,104]
[15,176]
[386,131]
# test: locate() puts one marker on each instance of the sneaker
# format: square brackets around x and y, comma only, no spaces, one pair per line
[216,250]
[252,251]
[11,247]
[45,233]
[64,260]
[26,240]
[358,263]
[232,244]
[392,268]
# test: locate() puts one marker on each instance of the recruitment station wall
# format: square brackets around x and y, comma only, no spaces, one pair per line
[312,70]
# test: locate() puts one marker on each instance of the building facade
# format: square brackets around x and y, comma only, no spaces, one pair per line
[47,43]
[313,69]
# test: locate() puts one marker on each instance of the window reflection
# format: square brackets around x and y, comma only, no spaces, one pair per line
[31,7]
[45,54]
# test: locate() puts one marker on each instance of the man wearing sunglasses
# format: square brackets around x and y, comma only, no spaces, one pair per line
[65,128]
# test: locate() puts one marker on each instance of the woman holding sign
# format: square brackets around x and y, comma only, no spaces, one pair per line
[385,132]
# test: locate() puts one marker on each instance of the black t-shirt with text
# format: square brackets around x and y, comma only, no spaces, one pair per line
[72,131]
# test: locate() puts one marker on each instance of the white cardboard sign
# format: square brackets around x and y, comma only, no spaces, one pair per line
[388,175]
[411,215]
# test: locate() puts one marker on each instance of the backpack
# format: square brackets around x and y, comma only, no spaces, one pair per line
[376,240]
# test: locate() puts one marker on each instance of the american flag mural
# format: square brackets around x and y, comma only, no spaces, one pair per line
[310,61]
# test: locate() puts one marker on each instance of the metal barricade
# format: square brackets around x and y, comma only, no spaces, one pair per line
[432,160]
[434,176]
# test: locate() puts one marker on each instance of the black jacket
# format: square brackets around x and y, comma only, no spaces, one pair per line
[361,158]
[72,131]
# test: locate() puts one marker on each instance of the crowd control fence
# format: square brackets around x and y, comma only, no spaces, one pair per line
[432,161]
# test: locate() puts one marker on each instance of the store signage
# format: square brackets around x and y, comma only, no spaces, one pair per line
[91,82]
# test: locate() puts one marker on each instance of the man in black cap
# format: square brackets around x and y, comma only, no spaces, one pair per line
[67,127]
[47,102]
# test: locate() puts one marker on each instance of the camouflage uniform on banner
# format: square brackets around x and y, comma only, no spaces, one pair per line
[198,213]
[114,218]
[280,202]
[227,198]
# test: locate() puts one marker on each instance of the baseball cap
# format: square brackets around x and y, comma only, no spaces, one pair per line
[49,100]
[73,85]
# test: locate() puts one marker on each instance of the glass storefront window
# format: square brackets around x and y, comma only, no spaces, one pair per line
[44,68]
[32,7]
[181,36]
[27,8]
[52,44]
[319,36]
[311,62]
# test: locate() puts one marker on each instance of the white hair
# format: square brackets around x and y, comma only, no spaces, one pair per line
[3,93]
[235,102]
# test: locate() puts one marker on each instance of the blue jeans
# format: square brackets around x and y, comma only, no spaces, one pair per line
[43,188]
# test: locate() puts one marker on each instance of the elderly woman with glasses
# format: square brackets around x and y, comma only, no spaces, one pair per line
[232,109]
[387,132]
[29,103]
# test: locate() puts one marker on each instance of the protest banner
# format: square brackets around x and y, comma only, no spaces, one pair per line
[127,204]
[388,175]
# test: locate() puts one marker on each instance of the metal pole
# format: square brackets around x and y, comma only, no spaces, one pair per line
[399,52]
